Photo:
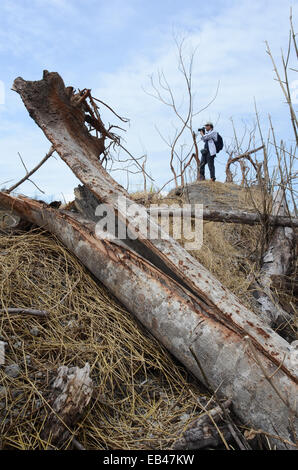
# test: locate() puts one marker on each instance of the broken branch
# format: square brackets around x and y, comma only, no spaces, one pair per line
[25,311]
[30,173]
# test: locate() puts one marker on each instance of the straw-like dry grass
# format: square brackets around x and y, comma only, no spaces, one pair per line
[142,398]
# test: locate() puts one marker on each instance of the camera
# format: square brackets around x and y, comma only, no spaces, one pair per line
[202,129]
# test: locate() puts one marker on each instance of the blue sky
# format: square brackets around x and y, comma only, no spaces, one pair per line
[113,47]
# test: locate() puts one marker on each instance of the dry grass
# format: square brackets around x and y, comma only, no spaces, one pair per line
[228,251]
[142,398]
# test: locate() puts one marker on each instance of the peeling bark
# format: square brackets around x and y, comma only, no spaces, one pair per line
[181,320]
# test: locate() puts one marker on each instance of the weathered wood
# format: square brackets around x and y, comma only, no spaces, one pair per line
[277,261]
[202,432]
[181,320]
[71,392]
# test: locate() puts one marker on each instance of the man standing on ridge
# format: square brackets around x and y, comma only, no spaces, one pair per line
[209,136]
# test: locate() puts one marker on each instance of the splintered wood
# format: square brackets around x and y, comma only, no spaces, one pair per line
[71,392]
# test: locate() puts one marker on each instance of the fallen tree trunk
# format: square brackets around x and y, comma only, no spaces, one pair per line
[277,261]
[231,216]
[271,312]
[264,398]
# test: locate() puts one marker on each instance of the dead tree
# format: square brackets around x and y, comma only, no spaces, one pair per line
[284,81]
[276,261]
[184,305]
[170,292]
[182,319]
[164,93]
[240,158]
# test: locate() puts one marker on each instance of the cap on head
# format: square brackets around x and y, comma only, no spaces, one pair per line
[209,124]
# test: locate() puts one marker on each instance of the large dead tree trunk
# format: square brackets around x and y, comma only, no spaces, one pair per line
[246,362]
[277,261]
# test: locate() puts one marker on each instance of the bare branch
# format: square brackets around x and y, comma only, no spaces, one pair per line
[25,311]
[46,157]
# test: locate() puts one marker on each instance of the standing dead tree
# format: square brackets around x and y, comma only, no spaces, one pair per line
[164,92]
[237,154]
[271,184]
[277,261]
[240,158]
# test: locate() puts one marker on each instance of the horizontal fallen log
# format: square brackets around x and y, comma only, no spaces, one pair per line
[230,216]
[181,320]
[50,105]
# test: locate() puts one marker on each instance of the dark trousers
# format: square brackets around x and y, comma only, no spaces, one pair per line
[207,158]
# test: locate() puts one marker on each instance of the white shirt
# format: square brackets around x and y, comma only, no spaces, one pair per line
[210,137]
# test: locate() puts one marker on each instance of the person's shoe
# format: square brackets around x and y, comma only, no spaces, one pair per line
[201,178]
[213,179]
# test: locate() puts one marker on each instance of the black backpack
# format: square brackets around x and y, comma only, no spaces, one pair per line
[218,143]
